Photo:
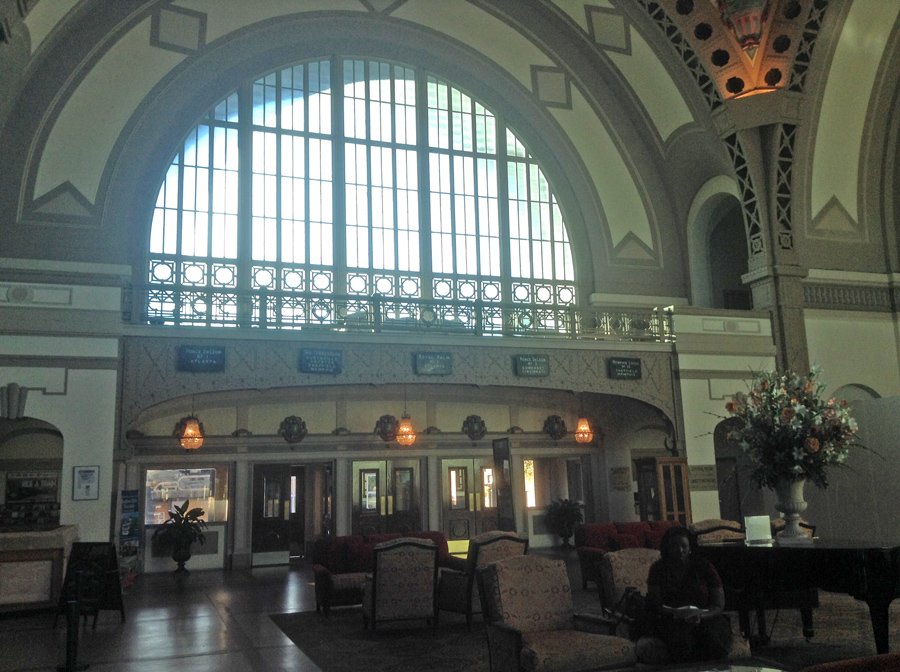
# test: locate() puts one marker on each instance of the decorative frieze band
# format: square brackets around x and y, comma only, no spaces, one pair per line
[844,297]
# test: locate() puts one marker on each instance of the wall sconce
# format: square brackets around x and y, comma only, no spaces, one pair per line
[387,427]
[293,429]
[555,426]
[474,427]
[189,431]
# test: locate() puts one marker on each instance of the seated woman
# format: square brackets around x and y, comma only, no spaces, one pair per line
[685,600]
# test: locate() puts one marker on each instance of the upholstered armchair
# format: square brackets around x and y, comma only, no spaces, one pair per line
[457,591]
[402,584]
[623,569]
[717,529]
[630,568]
[531,625]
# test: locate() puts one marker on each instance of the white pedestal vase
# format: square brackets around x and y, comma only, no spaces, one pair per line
[789,492]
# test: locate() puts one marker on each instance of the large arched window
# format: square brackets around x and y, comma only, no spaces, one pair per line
[392,200]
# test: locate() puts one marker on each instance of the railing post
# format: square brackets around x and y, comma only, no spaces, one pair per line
[376,308]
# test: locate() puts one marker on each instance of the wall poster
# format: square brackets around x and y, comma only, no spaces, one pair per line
[85,483]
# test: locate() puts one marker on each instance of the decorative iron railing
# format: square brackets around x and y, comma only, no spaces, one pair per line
[313,311]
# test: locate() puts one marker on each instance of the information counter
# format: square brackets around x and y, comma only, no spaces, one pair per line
[32,566]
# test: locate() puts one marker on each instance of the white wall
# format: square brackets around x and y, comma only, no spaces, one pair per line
[81,403]
[854,348]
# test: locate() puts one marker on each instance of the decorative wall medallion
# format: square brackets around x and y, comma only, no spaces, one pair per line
[293,429]
[555,427]
[387,427]
[474,427]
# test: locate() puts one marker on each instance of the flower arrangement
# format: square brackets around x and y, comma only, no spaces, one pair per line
[789,430]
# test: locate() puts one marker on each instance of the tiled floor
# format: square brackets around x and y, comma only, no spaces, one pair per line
[207,621]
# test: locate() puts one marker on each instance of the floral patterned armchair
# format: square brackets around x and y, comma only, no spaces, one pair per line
[630,568]
[531,626]
[457,591]
[623,569]
[402,585]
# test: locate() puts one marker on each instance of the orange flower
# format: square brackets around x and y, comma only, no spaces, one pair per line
[812,446]
[731,406]
[808,387]
[787,414]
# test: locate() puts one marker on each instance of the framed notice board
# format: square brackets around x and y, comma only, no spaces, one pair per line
[92,578]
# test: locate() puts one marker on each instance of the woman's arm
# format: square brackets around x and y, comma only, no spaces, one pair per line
[716,602]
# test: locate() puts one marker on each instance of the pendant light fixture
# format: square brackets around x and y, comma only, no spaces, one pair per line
[189,431]
[583,431]
[406,436]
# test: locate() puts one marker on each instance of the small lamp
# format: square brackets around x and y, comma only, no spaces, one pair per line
[189,431]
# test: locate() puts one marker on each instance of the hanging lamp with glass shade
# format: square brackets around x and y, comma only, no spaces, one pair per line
[406,436]
[189,431]
[583,432]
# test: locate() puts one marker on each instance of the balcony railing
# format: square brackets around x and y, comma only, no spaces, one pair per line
[312,311]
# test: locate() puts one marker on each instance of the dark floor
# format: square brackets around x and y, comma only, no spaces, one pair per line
[207,621]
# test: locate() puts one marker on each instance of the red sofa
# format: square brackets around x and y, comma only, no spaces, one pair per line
[593,540]
[340,564]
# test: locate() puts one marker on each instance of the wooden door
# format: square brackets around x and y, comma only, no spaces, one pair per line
[403,496]
[469,497]
[673,488]
[271,536]
[369,497]
[298,512]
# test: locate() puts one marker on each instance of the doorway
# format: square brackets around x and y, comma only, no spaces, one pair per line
[279,513]
[469,499]
[387,496]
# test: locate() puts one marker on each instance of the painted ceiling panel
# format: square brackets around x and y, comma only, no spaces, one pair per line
[846,100]
[653,85]
[625,212]
[87,128]
[621,201]
[641,69]
[470,25]
[42,19]
[226,16]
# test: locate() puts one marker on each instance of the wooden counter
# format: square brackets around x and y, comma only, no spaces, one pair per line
[32,566]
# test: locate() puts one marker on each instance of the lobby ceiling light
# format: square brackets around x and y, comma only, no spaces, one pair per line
[406,436]
[189,431]
[583,432]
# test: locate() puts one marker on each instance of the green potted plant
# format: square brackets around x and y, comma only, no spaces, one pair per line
[183,528]
[562,516]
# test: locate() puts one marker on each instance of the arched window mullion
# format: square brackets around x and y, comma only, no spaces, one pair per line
[245,191]
[503,207]
[339,178]
[465,226]
[426,272]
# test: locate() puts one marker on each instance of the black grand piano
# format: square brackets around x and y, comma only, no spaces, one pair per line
[788,575]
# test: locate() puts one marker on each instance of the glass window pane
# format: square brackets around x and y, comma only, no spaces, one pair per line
[205,487]
[403,490]
[369,491]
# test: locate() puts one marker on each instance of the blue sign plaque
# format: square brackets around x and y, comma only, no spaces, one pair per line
[434,363]
[318,360]
[201,358]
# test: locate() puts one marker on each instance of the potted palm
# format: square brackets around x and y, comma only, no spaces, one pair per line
[562,516]
[183,528]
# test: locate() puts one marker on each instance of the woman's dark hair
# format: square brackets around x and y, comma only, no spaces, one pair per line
[672,533]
